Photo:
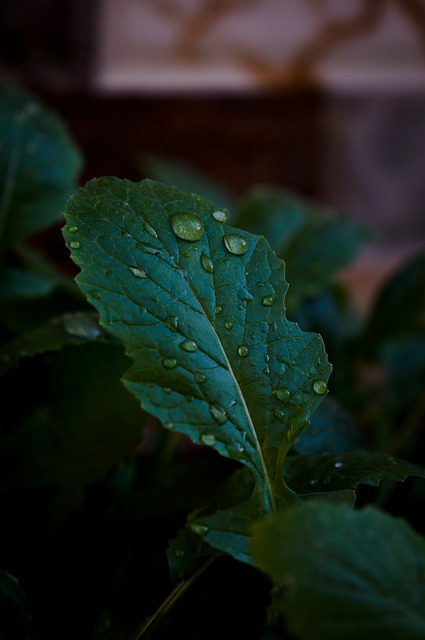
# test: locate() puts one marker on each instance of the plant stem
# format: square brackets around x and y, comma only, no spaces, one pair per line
[171,600]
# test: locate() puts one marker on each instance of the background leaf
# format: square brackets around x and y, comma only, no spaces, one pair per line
[341,574]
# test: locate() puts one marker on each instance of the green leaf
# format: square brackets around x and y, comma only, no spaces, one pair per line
[342,574]
[39,165]
[399,308]
[333,472]
[200,309]
[75,422]
[70,329]
[314,241]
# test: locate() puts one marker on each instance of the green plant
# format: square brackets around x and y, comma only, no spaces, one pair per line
[179,457]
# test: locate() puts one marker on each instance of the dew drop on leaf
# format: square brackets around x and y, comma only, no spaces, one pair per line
[338,465]
[209,440]
[74,244]
[218,414]
[168,425]
[81,325]
[320,387]
[228,324]
[169,363]
[199,529]
[200,377]
[207,263]
[243,351]
[220,216]
[187,226]
[188,345]
[282,394]
[267,301]
[218,310]
[279,414]
[150,230]
[72,229]
[137,273]
[179,553]
[236,244]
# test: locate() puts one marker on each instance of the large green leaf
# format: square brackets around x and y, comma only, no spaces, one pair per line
[343,574]
[39,165]
[200,308]
[315,242]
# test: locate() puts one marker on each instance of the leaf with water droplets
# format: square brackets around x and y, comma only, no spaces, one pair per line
[207,363]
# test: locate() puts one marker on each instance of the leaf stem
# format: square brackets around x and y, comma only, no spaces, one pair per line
[171,600]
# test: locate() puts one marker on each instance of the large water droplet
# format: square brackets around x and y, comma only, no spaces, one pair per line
[282,394]
[207,263]
[188,345]
[243,351]
[320,387]
[236,244]
[169,363]
[199,529]
[228,325]
[138,273]
[81,325]
[218,414]
[187,226]
[74,244]
[267,301]
[72,229]
[220,216]
[200,377]
[218,310]
[209,440]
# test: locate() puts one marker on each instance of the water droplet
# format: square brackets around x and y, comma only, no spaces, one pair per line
[199,377]
[279,414]
[320,387]
[72,229]
[209,440]
[220,216]
[81,325]
[179,553]
[236,244]
[207,263]
[218,310]
[199,529]
[282,394]
[218,414]
[74,244]
[266,358]
[150,230]
[167,390]
[138,273]
[172,322]
[187,226]
[314,482]
[168,425]
[243,351]
[228,324]
[169,363]
[267,301]
[188,345]
[338,465]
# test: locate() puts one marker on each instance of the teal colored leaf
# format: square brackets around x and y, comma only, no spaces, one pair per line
[70,329]
[39,165]
[315,242]
[200,309]
[340,471]
[343,574]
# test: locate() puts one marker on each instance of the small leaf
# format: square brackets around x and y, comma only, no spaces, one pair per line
[39,165]
[342,574]
[339,471]
[313,240]
[226,393]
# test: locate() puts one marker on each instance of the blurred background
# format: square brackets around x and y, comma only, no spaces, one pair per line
[323,97]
